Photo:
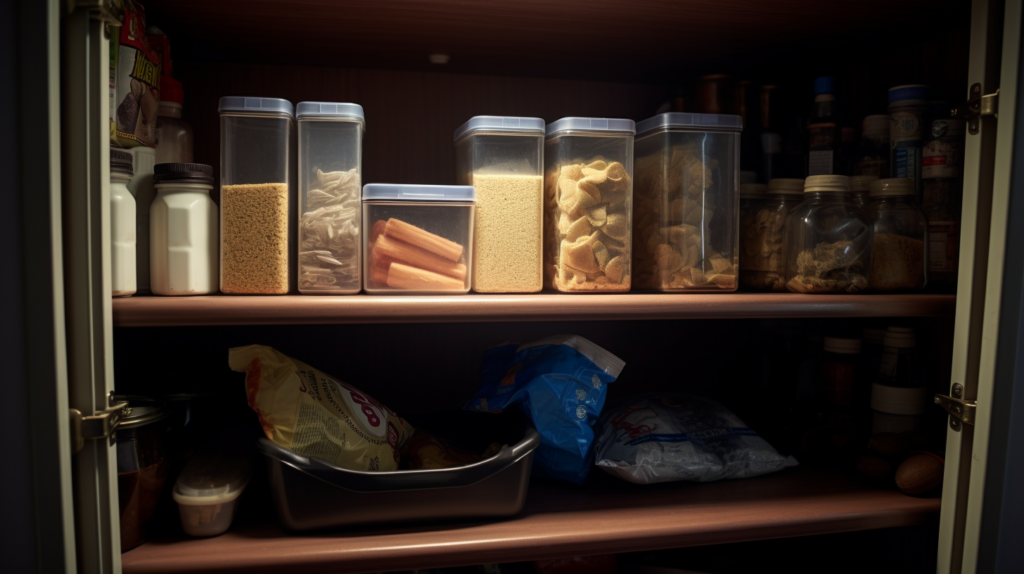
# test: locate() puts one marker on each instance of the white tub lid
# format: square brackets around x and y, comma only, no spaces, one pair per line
[500,124]
[329,110]
[268,106]
[691,122]
[413,192]
[592,125]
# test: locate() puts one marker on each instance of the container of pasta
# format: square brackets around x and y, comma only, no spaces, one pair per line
[255,137]
[503,159]
[686,223]
[588,192]
[418,239]
[330,167]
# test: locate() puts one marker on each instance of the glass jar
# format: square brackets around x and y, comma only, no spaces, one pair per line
[122,225]
[503,159]
[330,189]
[589,201]
[828,239]
[762,245]
[900,252]
[860,189]
[142,465]
[752,199]
[255,145]
[687,214]
[184,230]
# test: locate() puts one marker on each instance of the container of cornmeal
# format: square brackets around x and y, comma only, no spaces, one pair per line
[255,137]
[588,187]
[330,189]
[503,159]
[686,221]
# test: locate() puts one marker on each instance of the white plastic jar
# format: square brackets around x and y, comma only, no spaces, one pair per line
[184,235]
[122,225]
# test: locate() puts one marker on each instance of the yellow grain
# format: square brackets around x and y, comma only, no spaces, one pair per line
[254,238]
[508,239]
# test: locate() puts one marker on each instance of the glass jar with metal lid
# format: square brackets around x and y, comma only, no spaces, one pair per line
[142,464]
[900,237]
[762,242]
[860,188]
[828,239]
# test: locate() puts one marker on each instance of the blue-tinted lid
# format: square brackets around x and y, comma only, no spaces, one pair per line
[824,85]
[591,125]
[329,110]
[910,92]
[500,124]
[254,105]
[694,122]
[412,192]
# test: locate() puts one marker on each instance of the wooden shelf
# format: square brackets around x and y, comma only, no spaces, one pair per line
[560,520]
[310,309]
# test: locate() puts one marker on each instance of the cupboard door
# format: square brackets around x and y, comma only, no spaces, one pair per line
[973,451]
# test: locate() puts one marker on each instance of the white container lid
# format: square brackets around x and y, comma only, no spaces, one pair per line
[842,346]
[786,186]
[500,124]
[418,193]
[862,182]
[898,400]
[753,190]
[596,125]
[892,187]
[827,184]
[748,177]
[690,122]
[876,126]
[257,106]
[213,476]
[900,338]
[330,111]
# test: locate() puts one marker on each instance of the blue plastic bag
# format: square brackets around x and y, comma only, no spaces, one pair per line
[560,383]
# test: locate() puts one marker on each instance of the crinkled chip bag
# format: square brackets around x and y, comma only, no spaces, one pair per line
[315,415]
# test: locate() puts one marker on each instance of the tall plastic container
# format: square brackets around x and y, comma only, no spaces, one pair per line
[687,202]
[330,187]
[122,225]
[589,204]
[503,159]
[255,136]
[184,231]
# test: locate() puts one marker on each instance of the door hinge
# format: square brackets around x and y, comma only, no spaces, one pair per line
[101,425]
[961,412]
[977,107]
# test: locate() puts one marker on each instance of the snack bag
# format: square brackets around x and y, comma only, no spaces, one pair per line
[676,436]
[560,383]
[315,415]
[134,81]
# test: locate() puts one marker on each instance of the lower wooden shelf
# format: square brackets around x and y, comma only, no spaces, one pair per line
[559,520]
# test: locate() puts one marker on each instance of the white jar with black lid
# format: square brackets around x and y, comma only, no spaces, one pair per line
[122,225]
[184,231]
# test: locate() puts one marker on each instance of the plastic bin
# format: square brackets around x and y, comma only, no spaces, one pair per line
[419,238]
[330,172]
[503,159]
[207,491]
[687,202]
[310,493]
[589,201]
[255,135]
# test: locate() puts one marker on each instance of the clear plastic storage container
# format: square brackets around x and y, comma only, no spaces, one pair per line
[589,204]
[900,254]
[828,239]
[208,488]
[503,159]
[255,136]
[763,236]
[419,238]
[122,225]
[687,202]
[330,173]
[184,232]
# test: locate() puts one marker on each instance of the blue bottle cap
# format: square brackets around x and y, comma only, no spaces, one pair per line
[824,85]
[909,92]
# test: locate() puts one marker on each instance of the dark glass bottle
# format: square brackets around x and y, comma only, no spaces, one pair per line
[823,130]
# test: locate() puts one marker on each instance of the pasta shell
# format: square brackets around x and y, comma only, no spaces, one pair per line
[616,269]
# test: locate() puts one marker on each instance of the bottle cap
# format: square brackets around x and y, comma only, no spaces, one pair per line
[121,162]
[876,126]
[748,177]
[862,182]
[827,184]
[786,186]
[183,173]
[824,85]
[900,338]
[908,92]
[842,346]
[892,187]
[753,190]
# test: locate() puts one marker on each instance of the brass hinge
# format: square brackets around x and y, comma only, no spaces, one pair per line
[961,412]
[101,425]
[977,107]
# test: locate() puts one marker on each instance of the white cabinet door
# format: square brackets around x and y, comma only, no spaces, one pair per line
[987,318]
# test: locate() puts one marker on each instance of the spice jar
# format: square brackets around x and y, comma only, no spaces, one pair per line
[503,159]
[255,136]
[183,230]
[142,465]
[860,188]
[330,168]
[687,213]
[588,191]
[901,237]
[122,225]
[828,239]
[762,253]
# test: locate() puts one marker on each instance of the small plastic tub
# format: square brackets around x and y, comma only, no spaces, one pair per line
[419,238]
[207,491]
[330,169]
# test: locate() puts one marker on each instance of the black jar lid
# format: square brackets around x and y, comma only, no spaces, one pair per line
[141,410]
[121,162]
[183,173]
